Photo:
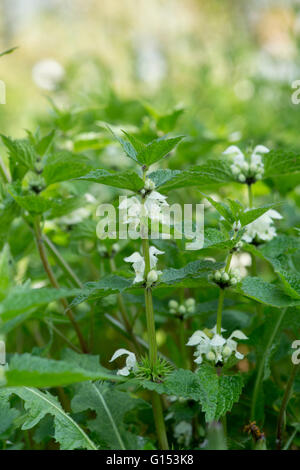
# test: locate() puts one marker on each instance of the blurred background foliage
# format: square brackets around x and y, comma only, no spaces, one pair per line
[218,72]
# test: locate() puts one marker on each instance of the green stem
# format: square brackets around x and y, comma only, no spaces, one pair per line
[182,344]
[124,315]
[156,400]
[54,283]
[219,312]
[66,268]
[285,400]
[260,371]
[250,196]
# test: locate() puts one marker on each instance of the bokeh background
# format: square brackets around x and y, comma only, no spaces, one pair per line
[221,71]
[229,63]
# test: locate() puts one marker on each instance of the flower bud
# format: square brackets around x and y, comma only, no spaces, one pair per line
[173,304]
[225,277]
[210,356]
[149,184]
[182,309]
[217,276]
[152,277]
[115,247]
[242,178]
[190,302]
[226,351]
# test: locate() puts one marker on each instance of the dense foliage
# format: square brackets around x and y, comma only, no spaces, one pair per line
[203,345]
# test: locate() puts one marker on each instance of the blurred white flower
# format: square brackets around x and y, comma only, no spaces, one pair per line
[214,346]
[151,64]
[47,74]
[241,262]
[262,229]
[74,217]
[131,362]
[183,433]
[244,170]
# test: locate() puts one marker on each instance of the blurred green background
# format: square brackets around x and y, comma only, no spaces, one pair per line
[229,63]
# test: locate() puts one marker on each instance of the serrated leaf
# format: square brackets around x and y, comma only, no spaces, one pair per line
[21,299]
[34,371]
[39,404]
[147,154]
[63,166]
[20,151]
[194,269]
[266,293]
[123,180]
[280,162]
[215,394]
[111,407]
[111,284]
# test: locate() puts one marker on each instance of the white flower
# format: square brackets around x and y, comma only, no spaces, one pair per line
[74,217]
[151,208]
[241,262]
[138,263]
[241,168]
[154,252]
[214,346]
[131,362]
[183,433]
[47,74]
[262,229]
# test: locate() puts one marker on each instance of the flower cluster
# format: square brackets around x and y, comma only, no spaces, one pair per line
[225,279]
[138,264]
[247,171]
[214,347]
[131,362]
[262,229]
[151,207]
[188,306]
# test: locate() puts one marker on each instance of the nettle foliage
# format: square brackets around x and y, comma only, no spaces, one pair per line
[197,342]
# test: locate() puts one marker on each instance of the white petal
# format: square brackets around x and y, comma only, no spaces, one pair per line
[238,334]
[120,352]
[260,149]
[123,372]
[239,356]
[136,257]
[197,338]
[274,214]
[218,340]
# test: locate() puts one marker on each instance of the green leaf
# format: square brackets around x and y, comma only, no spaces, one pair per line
[280,162]
[7,414]
[215,172]
[246,217]
[123,180]
[34,371]
[8,51]
[266,293]
[64,165]
[21,299]
[33,203]
[111,407]
[111,284]
[147,154]
[39,404]
[20,151]
[215,394]
[194,269]
[222,208]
